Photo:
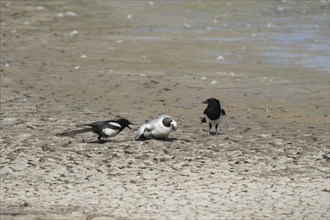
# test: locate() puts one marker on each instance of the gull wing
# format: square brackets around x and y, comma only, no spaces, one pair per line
[142,129]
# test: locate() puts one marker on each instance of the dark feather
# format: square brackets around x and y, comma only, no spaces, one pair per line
[212,113]
[75,132]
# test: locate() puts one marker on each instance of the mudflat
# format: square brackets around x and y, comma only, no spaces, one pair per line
[65,63]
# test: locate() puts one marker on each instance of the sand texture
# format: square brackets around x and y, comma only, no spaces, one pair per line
[65,63]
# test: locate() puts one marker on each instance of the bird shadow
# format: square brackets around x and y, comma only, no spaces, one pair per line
[167,140]
[213,133]
[158,139]
[111,141]
[96,142]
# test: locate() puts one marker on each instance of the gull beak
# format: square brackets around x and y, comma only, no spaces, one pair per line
[174,125]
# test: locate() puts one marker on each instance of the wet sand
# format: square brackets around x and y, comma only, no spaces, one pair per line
[65,64]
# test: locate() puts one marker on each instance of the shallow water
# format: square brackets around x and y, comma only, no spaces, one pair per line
[282,33]
[274,33]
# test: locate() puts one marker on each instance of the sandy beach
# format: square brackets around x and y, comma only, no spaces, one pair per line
[64,64]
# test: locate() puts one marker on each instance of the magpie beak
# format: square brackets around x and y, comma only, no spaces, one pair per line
[173,127]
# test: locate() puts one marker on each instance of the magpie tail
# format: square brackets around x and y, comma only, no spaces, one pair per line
[75,132]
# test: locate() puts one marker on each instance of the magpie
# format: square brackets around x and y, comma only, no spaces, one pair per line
[213,113]
[103,129]
[158,128]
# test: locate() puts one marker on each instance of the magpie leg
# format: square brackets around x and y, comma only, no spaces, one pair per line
[99,138]
[210,125]
[216,129]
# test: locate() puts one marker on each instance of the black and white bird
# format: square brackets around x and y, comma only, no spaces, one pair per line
[158,128]
[213,113]
[103,129]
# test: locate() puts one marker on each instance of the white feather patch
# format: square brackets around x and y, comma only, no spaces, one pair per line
[115,124]
[109,132]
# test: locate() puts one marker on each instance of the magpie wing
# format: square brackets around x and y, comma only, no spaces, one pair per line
[108,124]
[113,125]
[212,113]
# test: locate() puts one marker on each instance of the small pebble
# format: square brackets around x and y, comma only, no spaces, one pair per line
[73,33]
